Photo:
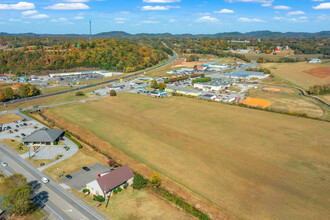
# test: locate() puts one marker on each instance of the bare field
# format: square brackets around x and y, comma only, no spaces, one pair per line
[248,163]
[295,73]
[321,72]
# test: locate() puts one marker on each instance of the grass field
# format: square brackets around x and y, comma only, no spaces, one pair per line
[249,163]
[51,100]
[138,204]
[15,145]
[271,57]
[294,72]
[8,118]
[290,101]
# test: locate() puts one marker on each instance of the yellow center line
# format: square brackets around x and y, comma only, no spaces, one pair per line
[49,190]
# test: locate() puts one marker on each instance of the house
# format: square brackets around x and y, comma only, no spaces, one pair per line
[44,136]
[182,90]
[16,86]
[277,50]
[109,181]
[315,61]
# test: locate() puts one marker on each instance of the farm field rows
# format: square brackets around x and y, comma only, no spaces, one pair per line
[248,163]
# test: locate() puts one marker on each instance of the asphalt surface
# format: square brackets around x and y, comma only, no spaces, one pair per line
[59,203]
[173,58]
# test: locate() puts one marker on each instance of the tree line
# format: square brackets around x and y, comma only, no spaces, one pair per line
[107,54]
[24,91]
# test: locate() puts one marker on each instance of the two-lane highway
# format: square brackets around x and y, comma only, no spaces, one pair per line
[60,203]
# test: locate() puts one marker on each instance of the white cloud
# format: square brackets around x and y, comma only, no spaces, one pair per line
[68,6]
[124,12]
[79,18]
[252,1]
[18,6]
[201,14]
[26,22]
[297,19]
[77,1]
[120,20]
[249,20]
[323,17]
[172,20]
[157,8]
[150,22]
[39,16]
[295,13]
[318,0]
[224,11]
[161,1]
[60,20]
[323,6]
[29,12]
[14,19]
[282,7]
[207,19]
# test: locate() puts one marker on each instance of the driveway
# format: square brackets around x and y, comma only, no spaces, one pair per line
[81,177]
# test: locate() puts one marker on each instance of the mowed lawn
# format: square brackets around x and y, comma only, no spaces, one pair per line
[251,164]
[294,72]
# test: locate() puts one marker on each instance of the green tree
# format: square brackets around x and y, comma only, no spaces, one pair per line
[14,181]
[19,201]
[139,182]
[23,91]
[8,93]
[155,179]
[154,84]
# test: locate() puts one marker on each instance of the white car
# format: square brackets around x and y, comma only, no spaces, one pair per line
[44,180]
[4,164]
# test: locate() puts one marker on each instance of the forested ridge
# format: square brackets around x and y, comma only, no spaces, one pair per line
[33,55]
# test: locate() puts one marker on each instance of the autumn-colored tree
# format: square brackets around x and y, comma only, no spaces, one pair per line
[155,179]
[8,93]
[162,86]
[2,97]
[111,163]
[113,93]
[154,84]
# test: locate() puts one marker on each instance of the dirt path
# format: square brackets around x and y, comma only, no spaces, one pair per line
[121,158]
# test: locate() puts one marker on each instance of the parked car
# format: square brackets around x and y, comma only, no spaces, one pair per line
[23,135]
[42,164]
[16,130]
[20,109]
[4,164]
[17,126]
[35,106]
[44,180]
[68,176]
[24,124]
[86,168]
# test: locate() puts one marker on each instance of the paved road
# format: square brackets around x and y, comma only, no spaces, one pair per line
[60,204]
[173,58]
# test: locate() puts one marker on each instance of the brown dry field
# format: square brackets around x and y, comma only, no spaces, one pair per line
[295,73]
[289,102]
[321,72]
[8,118]
[180,63]
[248,163]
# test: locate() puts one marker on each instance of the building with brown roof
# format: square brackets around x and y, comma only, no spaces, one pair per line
[109,181]
[17,85]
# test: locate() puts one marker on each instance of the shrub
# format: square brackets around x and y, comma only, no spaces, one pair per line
[113,93]
[139,182]
[119,189]
[155,180]
[125,187]
[114,192]
[86,190]
[99,198]
[80,93]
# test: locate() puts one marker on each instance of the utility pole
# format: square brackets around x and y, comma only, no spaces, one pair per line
[90,30]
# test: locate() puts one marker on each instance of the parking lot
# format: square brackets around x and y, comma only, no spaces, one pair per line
[81,177]
[19,130]
[78,79]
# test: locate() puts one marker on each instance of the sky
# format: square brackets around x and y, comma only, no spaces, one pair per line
[160,16]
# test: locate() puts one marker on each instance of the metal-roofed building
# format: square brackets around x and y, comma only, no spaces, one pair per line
[111,180]
[44,136]
[182,90]
[214,85]
[246,75]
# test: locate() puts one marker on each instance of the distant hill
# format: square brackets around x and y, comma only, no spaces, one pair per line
[253,34]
